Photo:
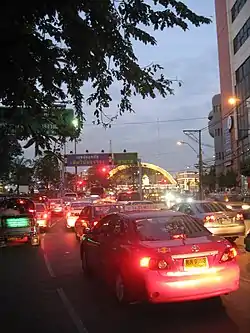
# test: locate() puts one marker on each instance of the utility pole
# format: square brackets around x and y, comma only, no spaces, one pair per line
[110,147]
[200,160]
[75,154]
[140,178]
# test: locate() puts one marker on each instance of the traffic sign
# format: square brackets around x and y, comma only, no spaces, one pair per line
[125,158]
[88,159]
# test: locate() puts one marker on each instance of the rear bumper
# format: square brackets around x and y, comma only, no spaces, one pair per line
[71,222]
[164,289]
[234,231]
[43,223]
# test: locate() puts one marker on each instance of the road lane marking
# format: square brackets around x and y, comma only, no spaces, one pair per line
[42,243]
[71,311]
[49,268]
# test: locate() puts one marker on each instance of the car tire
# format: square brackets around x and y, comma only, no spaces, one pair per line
[85,266]
[121,291]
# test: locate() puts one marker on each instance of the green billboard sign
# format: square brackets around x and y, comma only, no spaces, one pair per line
[125,158]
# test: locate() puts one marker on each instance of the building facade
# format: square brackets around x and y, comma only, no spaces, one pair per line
[216,131]
[233,35]
[188,180]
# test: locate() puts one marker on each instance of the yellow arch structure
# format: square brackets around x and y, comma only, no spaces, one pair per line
[148,166]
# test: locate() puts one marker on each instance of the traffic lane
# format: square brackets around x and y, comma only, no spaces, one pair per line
[98,310]
[29,298]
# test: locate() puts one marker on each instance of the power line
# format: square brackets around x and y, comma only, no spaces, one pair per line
[152,122]
[225,115]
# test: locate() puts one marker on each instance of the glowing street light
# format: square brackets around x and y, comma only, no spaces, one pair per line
[180,143]
[233,100]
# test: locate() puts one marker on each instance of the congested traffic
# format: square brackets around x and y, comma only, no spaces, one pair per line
[143,251]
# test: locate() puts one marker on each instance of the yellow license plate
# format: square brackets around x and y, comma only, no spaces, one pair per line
[12,239]
[195,263]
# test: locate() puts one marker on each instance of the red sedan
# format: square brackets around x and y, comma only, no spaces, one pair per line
[159,256]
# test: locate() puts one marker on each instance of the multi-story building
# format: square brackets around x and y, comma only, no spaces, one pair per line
[188,180]
[216,131]
[233,34]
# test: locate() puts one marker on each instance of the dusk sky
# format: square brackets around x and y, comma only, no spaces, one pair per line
[192,58]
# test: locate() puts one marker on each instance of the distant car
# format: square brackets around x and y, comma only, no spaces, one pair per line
[43,216]
[57,207]
[128,196]
[91,214]
[75,209]
[219,219]
[22,204]
[159,256]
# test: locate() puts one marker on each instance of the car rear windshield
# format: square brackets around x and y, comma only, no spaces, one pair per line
[22,205]
[56,201]
[70,195]
[40,208]
[79,205]
[164,228]
[104,210]
[208,207]
[134,196]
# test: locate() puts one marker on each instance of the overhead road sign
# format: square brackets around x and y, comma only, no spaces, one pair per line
[125,158]
[88,159]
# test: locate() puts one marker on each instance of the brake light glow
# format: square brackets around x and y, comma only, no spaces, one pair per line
[31,211]
[239,217]
[21,201]
[95,223]
[229,254]
[179,236]
[144,262]
[45,216]
[209,218]
[154,264]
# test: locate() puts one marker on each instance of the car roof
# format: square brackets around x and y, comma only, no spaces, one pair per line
[150,214]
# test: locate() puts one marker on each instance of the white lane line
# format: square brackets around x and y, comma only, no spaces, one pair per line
[53,224]
[42,243]
[71,311]
[49,268]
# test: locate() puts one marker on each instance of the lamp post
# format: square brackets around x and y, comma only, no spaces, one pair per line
[75,123]
[199,155]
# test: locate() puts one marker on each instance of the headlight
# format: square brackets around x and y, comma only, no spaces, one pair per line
[245,207]
[229,207]
[190,199]
[178,200]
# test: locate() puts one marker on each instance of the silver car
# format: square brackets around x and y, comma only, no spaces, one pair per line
[216,216]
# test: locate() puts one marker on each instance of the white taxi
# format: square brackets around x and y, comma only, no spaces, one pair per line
[75,209]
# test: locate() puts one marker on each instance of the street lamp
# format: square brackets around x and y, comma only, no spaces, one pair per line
[233,100]
[180,143]
[75,123]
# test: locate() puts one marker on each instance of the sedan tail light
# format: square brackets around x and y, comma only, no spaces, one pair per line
[154,264]
[239,217]
[209,218]
[95,223]
[229,254]
[45,216]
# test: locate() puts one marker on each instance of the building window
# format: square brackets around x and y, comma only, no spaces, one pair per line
[222,155]
[219,155]
[218,132]
[242,90]
[239,4]
[242,36]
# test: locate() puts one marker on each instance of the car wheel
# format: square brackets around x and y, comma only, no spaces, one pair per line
[121,292]
[85,266]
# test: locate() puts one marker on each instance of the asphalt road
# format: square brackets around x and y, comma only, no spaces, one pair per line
[43,290]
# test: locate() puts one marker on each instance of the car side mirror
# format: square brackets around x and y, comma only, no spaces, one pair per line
[247,242]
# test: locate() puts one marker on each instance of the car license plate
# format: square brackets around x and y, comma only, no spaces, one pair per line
[195,263]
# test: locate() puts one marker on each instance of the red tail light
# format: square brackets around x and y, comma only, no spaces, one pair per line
[95,223]
[229,254]
[239,217]
[179,236]
[154,264]
[31,210]
[45,216]
[209,218]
